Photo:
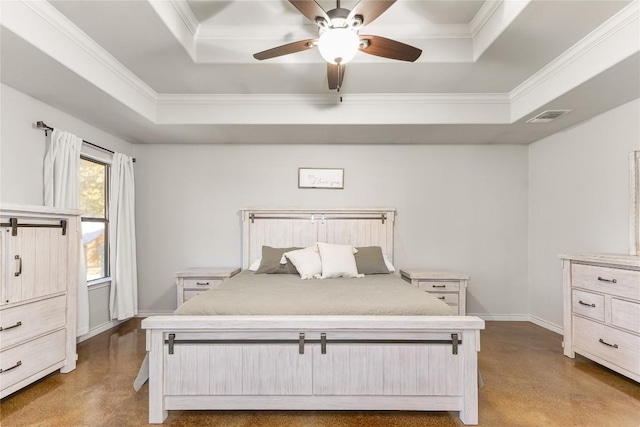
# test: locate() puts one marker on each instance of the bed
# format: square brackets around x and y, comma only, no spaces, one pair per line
[373,358]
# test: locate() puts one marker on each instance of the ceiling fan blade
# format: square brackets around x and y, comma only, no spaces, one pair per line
[286,49]
[387,48]
[335,75]
[370,10]
[311,10]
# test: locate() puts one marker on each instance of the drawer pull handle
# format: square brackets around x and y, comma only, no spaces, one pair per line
[19,272]
[13,367]
[438,286]
[584,303]
[10,327]
[202,283]
[602,279]
[442,298]
[606,343]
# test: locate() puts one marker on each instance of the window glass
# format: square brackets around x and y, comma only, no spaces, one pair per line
[93,190]
[94,177]
[95,249]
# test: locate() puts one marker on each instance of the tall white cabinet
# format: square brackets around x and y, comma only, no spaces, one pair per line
[38,287]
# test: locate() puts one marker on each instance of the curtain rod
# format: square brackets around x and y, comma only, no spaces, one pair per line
[43,125]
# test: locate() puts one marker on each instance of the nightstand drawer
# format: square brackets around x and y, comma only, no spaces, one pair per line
[588,304]
[190,294]
[450,299]
[439,286]
[613,281]
[204,283]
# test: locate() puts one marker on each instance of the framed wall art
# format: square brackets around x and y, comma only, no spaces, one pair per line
[321,178]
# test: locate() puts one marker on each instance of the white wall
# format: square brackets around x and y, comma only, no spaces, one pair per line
[499,213]
[459,207]
[579,199]
[22,149]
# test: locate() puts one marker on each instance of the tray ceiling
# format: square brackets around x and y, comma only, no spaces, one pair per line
[182,71]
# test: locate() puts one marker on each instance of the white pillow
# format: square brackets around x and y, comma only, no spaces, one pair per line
[255,265]
[307,262]
[390,266]
[338,261]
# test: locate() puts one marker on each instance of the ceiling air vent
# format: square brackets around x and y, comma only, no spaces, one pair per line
[547,116]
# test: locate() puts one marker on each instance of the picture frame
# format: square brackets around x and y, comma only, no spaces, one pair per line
[324,178]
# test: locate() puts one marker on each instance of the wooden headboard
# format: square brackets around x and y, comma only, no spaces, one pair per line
[302,227]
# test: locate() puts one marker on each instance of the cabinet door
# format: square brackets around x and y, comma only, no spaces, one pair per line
[259,370]
[5,264]
[388,370]
[39,258]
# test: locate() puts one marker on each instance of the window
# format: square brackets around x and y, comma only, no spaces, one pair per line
[94,197]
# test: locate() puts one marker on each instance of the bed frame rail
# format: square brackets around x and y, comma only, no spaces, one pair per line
[171,342]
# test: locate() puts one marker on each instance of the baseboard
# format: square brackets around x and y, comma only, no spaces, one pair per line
[147,313]
[98,330]
[503,317]
[547,325]
[520,318]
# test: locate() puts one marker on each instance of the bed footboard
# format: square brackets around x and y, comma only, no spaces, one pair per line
[415,363]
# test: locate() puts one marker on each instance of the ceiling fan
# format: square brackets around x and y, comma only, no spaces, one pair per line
[339,37]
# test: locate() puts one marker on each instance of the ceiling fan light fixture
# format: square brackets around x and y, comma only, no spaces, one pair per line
[338,45]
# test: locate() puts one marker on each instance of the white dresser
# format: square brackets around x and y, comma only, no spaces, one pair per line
[38,287]
[602,310]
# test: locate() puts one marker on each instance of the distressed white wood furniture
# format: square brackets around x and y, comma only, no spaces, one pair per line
[38,287]
[314,362]
[602,310]
[194,281]
[634,202]
[449,286]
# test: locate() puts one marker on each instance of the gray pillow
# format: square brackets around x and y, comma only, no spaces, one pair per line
[270,263]
[369,260]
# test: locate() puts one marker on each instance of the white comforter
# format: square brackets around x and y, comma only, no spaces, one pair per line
[286,294]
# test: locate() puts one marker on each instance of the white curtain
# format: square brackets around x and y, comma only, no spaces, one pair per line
[123,301]
[62,190]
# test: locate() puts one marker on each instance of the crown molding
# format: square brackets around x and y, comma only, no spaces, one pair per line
[47,29]
[482,17]
[598,36]
[298,32]
[328,99]
[180,21]
[495,20]
[61,23]
[186,14]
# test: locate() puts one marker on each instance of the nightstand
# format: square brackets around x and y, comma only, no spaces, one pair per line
[449,286]
[195,281]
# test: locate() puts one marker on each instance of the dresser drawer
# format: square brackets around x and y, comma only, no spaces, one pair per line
[450,299]
[614,281]
[440,286]
[625,314]
[204,283]
[21,362]
[588,304]
[30,320]
[615,346]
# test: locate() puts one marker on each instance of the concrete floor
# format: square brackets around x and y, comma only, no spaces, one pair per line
[527,382]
